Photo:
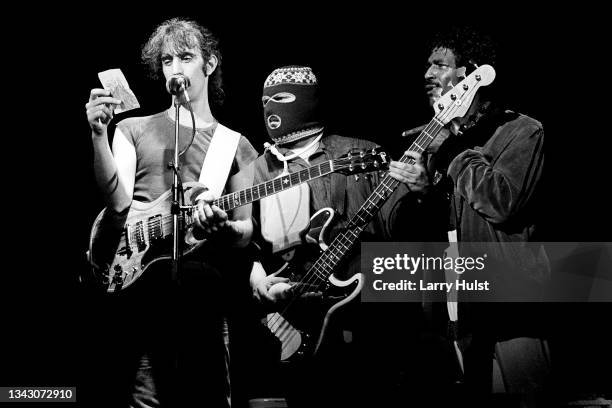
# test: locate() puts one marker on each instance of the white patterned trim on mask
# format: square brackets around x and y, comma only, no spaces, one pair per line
[297,135]
[291,75]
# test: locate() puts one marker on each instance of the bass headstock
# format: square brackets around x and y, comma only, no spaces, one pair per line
[361,161]
[456,102]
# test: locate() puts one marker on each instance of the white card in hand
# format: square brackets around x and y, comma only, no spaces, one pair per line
[114,81]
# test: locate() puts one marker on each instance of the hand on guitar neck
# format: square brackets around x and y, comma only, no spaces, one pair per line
[415,175]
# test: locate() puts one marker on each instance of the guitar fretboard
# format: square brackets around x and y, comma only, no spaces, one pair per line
[230,201]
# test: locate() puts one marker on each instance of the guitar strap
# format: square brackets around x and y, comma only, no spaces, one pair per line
[452,306]
[219,159]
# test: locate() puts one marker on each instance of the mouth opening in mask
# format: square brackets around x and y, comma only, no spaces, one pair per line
[274,121]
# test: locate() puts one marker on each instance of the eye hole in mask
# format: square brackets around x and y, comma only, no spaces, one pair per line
[281,97]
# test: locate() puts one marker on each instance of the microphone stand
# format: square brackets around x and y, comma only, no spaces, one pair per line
[177,194]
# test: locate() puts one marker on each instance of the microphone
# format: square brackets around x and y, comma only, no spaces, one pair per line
[177,84]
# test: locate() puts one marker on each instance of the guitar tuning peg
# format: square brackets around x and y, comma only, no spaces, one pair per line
[374,151]
[376,164]
[362,154]
[356,177]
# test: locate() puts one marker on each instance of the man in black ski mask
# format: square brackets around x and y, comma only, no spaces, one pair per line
[294,123]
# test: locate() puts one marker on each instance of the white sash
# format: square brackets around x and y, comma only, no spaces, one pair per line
[219,159]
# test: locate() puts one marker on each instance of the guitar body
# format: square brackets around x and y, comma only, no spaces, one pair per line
[122,247]
[303,328]
[304,322]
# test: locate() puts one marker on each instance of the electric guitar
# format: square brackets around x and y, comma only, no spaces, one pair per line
[304,333]
[122,247]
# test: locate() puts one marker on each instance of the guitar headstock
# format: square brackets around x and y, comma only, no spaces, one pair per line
[361,161]
[456,102]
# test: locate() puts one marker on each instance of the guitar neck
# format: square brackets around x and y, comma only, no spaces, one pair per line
[162,224]
[345,241]
[257,192]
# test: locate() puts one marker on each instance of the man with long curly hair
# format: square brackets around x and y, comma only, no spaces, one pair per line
[181,357]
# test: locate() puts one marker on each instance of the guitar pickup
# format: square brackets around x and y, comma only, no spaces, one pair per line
[127,249]
[155,230]
[141,243]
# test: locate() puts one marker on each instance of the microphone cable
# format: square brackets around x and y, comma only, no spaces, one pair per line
[193,124]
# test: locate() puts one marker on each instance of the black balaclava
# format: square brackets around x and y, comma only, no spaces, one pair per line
[291,111]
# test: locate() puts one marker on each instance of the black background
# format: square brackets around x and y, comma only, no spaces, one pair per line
[370,64]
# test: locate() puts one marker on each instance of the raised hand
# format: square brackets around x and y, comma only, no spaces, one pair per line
[100,110]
